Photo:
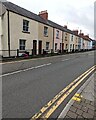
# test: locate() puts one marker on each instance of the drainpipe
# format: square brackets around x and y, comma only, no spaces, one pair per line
[8,35]
[1,33]
[53,39]
[62,41]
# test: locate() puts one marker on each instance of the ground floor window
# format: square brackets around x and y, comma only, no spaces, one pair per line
[66,46]
[47,45]
[70,46]
[22,44]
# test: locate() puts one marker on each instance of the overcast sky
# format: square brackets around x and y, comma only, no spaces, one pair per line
[76,14]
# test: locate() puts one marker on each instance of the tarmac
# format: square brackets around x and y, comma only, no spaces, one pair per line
[83,103]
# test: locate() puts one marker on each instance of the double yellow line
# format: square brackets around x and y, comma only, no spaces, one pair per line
[52,105]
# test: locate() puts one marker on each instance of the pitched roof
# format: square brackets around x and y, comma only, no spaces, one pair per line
[21,11]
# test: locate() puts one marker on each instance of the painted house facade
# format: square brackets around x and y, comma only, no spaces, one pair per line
[57,40]
[76,40]
[45,34]
[71,43]
[66,38]
[23,31]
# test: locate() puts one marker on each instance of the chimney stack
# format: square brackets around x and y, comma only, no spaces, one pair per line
[65,26]
[81,34]
[75,31]
[44,14]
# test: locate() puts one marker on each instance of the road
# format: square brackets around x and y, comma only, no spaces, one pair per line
[29,85]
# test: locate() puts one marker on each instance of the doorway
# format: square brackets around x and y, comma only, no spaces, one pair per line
[34,47]
[40,47]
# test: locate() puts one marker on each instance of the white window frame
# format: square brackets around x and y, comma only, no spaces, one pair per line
[25,25]
[57,34]
[22,44]
[47,45]
[72,38]
[45,31]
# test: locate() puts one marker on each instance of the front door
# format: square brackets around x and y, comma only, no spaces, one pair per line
[40,47]
[62,46]
[34,47]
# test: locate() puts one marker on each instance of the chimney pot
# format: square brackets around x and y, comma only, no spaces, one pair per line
[65,26]
[75,31]
[44,14]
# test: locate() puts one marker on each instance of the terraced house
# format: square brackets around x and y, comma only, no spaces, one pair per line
[23,31]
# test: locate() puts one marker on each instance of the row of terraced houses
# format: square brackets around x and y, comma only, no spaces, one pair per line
[22,30]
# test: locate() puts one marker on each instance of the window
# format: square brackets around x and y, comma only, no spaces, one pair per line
[70,46]
[72,38]
[46,31]
[55,46]
[47,45]
[25,25]
[57,34]
[66,38]
[66,46]
[22,44]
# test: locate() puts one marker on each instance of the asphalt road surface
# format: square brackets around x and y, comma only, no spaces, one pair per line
[29,85]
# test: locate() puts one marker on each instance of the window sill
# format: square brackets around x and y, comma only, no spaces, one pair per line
[57,37]
[26,32]
[45,35]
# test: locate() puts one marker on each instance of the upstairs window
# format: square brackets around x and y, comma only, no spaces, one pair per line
[45,31]
[57,34]
[72,38]
[65,38]
[25,25]
[22,44]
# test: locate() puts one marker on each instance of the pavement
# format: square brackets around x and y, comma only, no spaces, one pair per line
[82,104]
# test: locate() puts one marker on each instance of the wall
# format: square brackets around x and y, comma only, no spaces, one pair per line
[71,42]
[44,39]
[16,28]
[57,40]
[66,41]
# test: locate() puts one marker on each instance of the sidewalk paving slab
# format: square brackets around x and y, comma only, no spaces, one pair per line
[85,106]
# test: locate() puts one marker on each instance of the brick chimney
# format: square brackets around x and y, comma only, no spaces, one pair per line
[75,31]
[81,34]
[44,14]
[65,26]
[87,36]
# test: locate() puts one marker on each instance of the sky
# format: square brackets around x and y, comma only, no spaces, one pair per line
[76,14]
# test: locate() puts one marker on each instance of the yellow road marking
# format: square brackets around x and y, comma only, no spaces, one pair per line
[43,109]
[77,97]
[57,104]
